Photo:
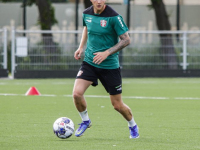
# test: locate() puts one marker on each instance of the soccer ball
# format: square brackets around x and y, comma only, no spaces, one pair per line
[63,127]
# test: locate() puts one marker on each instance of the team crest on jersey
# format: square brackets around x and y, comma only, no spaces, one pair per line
[103,23]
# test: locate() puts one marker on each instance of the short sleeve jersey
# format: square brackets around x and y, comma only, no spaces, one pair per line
[103,33]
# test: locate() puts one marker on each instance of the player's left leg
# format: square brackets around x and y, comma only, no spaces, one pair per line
[112,82]
[125,111]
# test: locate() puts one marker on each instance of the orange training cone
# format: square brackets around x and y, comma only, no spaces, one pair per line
[32,91]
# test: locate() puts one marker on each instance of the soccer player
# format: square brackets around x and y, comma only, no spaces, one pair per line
[102,28]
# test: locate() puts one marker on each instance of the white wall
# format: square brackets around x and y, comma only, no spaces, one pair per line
[141,17]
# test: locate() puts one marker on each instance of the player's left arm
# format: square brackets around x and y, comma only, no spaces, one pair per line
[125,41]
[101,56]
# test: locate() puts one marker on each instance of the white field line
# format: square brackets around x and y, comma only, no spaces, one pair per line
[2,83]
[49,95]
[124,97]
[35,83]
[9,94]
[188,98]
[102,96]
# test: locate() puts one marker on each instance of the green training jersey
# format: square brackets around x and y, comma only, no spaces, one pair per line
[103,33]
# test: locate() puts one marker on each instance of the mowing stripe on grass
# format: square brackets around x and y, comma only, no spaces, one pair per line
[102,96]
[95,96]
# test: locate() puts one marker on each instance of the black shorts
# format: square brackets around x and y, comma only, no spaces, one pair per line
[110,78]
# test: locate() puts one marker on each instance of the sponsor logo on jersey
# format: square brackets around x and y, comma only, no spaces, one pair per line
[88,17]
[89,20]
[120,21]
[103,23]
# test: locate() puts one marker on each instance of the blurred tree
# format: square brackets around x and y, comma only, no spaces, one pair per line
[46,15]
[87,3]
[162,21]
[46,21]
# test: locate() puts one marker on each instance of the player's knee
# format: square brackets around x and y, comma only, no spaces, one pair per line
[117,107]
[76,95]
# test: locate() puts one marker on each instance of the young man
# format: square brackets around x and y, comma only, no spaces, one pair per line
[102,27]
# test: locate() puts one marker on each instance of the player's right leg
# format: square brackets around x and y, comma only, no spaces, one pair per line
[85,77]
[80,87]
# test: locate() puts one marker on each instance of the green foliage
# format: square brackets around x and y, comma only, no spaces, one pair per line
[150,7]
[30,2]
[146,58]
[43,55]
[156,1]
[48,57]
[9,56]
[193,59]
[42,58]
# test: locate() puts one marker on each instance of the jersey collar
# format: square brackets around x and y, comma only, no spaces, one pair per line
[101,12]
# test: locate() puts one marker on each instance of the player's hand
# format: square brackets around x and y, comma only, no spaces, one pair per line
[77,54]
[100,56]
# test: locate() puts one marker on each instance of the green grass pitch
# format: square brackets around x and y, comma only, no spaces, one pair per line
[167,111]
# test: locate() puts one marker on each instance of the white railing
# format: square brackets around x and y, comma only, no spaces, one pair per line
[47,50]
[3,48]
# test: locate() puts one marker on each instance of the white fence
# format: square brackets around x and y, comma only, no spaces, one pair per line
[44,50]
[166,49]
[3,48]
[150,50]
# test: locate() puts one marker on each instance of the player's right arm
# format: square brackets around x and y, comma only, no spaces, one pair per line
[79,51]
